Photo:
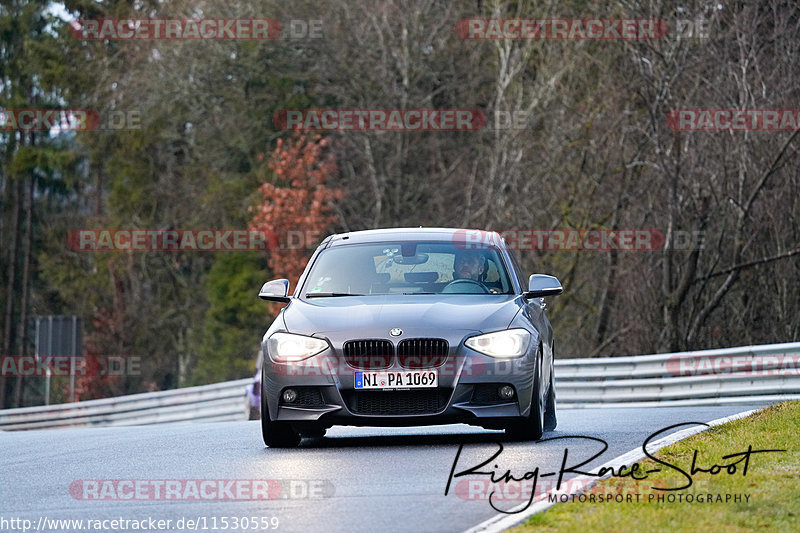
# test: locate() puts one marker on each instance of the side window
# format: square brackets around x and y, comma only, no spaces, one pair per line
[523,280]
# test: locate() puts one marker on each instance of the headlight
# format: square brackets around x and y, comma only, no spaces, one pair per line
[288,347]
[501,344]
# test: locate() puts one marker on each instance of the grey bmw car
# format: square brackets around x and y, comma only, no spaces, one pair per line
[406,327]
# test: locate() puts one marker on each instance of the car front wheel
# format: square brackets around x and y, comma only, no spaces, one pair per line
[531,427]
[550,419]
[276,434]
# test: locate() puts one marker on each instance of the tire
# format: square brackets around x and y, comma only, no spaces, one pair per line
[276,434]
[531,427]
[550,418]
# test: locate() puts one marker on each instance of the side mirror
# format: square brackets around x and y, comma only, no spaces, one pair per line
[276,290]
[540,285]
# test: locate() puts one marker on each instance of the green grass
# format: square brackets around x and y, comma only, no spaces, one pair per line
[772,481]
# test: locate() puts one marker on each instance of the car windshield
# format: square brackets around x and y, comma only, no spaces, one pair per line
[406,268]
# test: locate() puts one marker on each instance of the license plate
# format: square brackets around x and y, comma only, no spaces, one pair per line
[412,379]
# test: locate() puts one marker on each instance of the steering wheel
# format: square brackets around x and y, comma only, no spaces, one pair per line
[465,286]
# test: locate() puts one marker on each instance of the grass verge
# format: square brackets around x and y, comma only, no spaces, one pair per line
[772,483]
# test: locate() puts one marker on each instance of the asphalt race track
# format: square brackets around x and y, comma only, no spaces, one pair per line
[355,479]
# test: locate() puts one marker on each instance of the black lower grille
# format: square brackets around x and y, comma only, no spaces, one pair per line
[369,353]
[413,402]
[422,353]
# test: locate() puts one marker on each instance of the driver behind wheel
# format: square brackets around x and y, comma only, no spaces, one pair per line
[471,265]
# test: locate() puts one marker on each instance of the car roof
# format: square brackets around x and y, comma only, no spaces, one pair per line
[415,234]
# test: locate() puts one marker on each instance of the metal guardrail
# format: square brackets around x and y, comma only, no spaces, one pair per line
[206,403]
[743,375]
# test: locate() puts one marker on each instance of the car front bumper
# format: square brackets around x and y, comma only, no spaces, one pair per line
[467,381]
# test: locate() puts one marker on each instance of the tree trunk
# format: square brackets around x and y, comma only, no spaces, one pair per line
[98,193]
[5,186]
[22,331]
[8,338]
[8,330]
[670,306]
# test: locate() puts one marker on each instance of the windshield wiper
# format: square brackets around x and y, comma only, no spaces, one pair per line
[329,294]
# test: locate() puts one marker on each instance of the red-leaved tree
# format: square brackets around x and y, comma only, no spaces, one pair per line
[297,202]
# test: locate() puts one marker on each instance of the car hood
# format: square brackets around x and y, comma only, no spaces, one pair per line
[374,316]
